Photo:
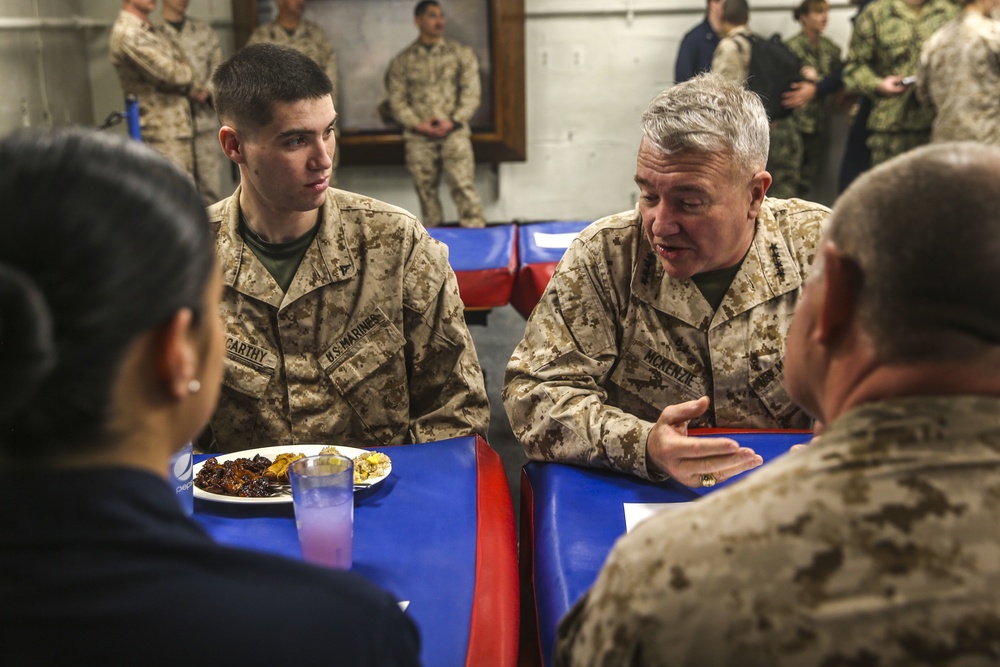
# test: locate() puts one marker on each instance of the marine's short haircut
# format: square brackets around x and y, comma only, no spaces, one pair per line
[710,115]
[423,6]
[248,85]
[736,12]
[924,231]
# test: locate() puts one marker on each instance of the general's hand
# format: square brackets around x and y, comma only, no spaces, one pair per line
[685,458]
[801,94]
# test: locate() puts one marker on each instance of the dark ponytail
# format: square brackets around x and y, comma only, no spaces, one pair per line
[101,240]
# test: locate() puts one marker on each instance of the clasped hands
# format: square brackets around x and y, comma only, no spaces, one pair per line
[671,450]
[435,127]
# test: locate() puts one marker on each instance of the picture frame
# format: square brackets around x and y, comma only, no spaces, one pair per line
[498,129]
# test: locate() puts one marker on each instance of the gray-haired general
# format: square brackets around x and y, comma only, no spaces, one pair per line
[673,314]
[877,544]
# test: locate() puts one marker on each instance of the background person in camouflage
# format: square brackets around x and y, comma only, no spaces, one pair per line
[343,319]
[732,60]
[876,545]
[820,58]
[885,48]
[959,76]
[152,68]
[674,312]
[200,44]
[434,90]
[291,29]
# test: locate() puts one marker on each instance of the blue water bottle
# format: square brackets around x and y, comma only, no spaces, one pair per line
[180,475]
[132,116]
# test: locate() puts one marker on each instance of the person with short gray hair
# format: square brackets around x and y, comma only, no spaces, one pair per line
[876,544]
[713,117]
[674,313]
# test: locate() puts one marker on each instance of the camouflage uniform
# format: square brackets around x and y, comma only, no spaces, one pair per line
[886,41]
[368,347]
[614,340]
[201,45]
[784,158]
[152,68]
[311,40]
[876,546]
[960,76]
[813,120]
[443,81]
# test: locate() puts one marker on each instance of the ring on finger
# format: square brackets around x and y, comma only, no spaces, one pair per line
[708,480]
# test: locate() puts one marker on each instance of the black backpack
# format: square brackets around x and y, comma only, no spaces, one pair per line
[773,69]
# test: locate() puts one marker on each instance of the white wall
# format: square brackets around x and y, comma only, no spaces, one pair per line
[592,66]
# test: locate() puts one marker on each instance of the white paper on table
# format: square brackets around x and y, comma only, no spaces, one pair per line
[545,240]
[635,513]
[404,604]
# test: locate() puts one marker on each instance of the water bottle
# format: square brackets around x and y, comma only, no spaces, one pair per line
[180,475]
[132,116]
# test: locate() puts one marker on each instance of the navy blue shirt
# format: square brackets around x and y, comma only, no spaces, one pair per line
[695,54]
[101,567]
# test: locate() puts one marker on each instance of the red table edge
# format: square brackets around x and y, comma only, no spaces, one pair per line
[530,654]
[494,627]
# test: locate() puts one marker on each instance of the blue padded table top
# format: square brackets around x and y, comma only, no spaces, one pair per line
[545,242]
[575,515]
[418,535]
[478,249]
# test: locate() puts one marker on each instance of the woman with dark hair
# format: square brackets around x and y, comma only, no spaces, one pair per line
[111,355]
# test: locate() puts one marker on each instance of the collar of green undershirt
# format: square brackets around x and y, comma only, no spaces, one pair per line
[713,285]
[280,259]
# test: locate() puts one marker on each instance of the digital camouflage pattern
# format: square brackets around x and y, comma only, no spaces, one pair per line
[614,340]
[200,44]
[367,348]
[438,81]
[875,546]
[887,39]
[152,68]
[960,77]
[784,155]
[824,57]
[310,39]
[732,55]
[784,158]
[813,119]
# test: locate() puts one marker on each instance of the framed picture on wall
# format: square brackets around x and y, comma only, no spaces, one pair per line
[367,34]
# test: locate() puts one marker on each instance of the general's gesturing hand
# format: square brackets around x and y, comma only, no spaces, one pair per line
[687,458]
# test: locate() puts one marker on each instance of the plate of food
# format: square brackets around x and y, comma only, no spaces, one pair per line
[251,476]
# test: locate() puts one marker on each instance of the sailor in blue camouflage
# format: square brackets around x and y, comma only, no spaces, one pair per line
[885,49]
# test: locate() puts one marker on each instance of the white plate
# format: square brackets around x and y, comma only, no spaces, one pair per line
[271,453]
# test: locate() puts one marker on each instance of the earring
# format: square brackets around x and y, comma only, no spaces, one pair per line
[194,386]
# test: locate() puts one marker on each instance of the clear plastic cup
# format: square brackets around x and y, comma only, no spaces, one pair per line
[323,496]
